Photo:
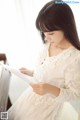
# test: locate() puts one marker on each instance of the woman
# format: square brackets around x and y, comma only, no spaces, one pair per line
[57,73]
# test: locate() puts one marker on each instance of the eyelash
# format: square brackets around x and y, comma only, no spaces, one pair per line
[51,33]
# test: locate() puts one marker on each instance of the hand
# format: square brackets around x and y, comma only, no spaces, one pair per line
[43,88]
[26,71]
[23,70]
[40,88]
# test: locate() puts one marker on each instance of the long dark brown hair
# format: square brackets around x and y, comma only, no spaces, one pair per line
[57,15]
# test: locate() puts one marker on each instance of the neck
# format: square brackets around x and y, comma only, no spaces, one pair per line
[63,45]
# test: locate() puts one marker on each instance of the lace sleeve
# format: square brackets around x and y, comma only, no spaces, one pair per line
[71,91]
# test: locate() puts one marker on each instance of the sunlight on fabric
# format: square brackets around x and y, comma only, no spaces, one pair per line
[19,38]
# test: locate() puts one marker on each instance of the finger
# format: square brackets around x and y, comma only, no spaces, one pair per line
[22,68]
[34,85]
[31,84]
[38,92]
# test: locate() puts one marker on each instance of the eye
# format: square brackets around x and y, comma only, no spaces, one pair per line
[51,33]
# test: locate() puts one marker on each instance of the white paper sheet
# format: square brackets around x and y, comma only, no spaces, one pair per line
[17,72]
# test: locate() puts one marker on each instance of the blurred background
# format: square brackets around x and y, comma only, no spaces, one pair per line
[20,40]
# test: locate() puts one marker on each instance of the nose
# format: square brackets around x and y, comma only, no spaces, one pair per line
[46,36]
[45,33]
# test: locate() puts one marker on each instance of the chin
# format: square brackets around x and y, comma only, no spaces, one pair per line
[51,41]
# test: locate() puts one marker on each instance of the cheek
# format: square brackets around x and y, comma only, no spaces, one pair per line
[57,38]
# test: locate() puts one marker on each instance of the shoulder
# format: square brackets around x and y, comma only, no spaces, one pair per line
[74,60]
[76,54]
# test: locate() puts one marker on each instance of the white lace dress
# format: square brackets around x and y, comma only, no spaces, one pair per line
[63,71]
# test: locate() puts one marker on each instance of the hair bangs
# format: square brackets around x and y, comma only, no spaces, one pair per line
[45,25]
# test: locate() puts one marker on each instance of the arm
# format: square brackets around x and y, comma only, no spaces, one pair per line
[72,83]
[70,92]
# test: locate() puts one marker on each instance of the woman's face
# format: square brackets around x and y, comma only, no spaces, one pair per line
[55,37]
